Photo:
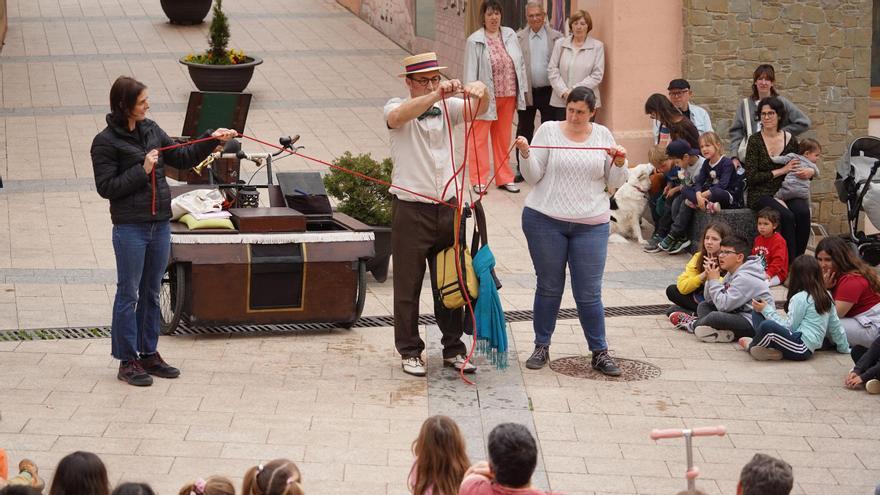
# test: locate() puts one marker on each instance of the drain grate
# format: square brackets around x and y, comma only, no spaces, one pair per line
[579,367]
[513,316]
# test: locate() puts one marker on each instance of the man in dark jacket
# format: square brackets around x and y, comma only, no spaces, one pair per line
[130,171]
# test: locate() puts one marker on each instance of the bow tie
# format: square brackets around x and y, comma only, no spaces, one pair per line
[431,112]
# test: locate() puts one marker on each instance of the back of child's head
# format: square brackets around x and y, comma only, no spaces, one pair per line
[805,275]
[712,138]
[770,215]
[691,492]
[215,485]
[808,145]
[133,489]
[78,473]
[276,477]
[657,155]
[513,454]
[737,243]
[765,475]
[441,456]
[19,490]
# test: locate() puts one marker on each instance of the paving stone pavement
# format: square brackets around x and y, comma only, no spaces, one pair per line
[336,402]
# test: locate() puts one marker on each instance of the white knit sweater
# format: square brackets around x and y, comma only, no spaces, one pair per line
[570,184]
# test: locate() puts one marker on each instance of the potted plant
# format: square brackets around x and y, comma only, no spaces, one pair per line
[366,201]
[219,68]
[186,11]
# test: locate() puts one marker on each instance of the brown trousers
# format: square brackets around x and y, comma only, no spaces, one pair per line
[418,231]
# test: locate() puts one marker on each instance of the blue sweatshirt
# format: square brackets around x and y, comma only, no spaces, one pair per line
[802,317]
[724,171]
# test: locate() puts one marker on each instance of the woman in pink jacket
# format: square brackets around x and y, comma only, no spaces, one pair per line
[578,60]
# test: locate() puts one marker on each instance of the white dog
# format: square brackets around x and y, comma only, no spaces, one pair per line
[631,199]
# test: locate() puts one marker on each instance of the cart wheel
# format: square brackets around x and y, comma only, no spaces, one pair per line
[171,296]
[361,295]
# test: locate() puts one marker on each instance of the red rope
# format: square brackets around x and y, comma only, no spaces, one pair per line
[187,143]
[153,180]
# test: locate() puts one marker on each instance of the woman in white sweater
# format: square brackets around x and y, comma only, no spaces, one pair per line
[565,221]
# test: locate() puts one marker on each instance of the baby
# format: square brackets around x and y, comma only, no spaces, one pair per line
[793,187]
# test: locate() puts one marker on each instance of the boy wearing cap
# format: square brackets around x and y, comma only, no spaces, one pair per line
[689,162]
[686,164]
[420,226]
[680,96]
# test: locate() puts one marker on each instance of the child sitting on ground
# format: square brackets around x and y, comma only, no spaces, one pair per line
[726,314]
[770,247]
[765,475]
[27,474]
[133,489]
[215,485]
[867,369]
[513,455]
[687,292]
[689,163]
[811,316]
[793,187]
[441,458]
[80,472]
[708,192]
[276,477]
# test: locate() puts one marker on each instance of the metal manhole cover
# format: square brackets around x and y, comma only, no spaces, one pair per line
[579,367]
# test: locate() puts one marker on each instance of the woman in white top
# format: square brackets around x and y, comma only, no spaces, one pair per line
[576,61]
[565,221]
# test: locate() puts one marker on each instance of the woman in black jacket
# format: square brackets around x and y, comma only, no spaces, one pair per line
[130,172]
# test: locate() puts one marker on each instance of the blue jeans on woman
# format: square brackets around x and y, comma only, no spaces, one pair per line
[142,251]
[553,244]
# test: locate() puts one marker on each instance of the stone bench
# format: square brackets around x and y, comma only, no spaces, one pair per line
[741,221]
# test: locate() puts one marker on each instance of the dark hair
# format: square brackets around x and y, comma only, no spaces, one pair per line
[770,215]
[133,489]
[776,104]
[846,261]
[584,94]
[766,71]
[738,243]
[123,97]
[19,490]
[765,475]
[719,226]
[80,473]
[513,454]
[665,110]
[493,5]
[805,275]
[276,477]
[809,144]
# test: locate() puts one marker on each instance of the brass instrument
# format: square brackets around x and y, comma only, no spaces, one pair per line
[206,163]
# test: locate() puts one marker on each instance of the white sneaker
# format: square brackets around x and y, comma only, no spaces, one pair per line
[744,343]
[709,334]
[414,366]
[873,386]
[458,362]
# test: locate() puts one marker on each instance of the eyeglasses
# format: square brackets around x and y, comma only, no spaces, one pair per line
[725,252]
[676,94]
[768,115]
[535,16]
[423,81]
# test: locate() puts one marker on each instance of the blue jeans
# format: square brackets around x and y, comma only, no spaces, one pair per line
[553,244]
[142,251]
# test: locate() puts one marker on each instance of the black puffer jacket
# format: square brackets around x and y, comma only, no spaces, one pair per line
[118,162]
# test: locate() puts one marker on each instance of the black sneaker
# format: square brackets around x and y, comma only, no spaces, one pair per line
[604,363]
[539,358]
[653,245]
[132,373]
[519,178]
[156,366]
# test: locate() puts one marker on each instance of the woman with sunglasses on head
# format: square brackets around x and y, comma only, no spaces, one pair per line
[764,177]
[763,86]
[493,56]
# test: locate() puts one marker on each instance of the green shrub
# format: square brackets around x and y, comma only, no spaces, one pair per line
[359,198]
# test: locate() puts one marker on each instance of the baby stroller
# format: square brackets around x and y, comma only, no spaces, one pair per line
[859,188]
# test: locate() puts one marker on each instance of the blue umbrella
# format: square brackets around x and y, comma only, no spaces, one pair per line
[489,315]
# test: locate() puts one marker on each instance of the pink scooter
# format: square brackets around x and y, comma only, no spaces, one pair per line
[692,471]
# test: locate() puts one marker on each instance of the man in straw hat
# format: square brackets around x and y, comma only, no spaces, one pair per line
[421,227]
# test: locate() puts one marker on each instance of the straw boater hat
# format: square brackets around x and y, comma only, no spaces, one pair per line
[423,62]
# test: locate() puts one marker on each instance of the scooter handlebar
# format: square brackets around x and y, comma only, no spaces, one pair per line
[695,432]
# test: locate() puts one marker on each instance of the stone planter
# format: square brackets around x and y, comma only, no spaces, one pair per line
[225,78]
[186,11]
[378,264]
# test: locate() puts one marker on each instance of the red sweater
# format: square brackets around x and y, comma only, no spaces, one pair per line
[774,253]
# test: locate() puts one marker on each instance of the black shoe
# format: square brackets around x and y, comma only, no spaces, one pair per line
[132,373]
[156,366]
[604,363]
[519,178]
[539,358]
